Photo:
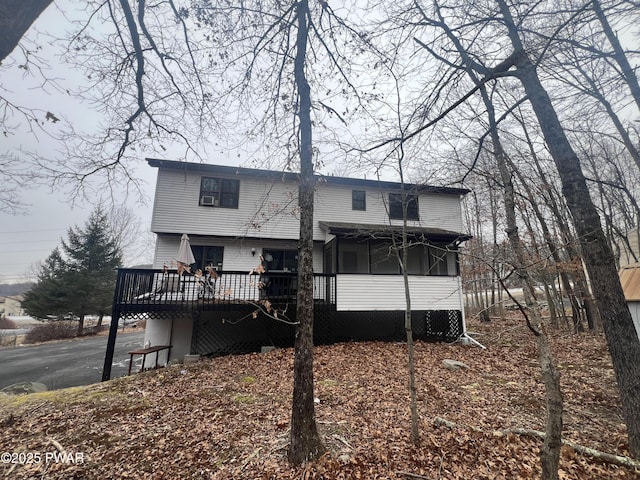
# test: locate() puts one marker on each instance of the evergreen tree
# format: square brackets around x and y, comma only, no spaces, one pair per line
[82,281]
[46,297]
[92,257]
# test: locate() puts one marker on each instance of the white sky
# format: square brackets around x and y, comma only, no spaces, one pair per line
[29,238]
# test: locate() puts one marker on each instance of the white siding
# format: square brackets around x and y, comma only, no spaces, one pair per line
[441,211]
[237,252]
[157,332]
[333,204]
[268,209]
[386,292]
[163,331]
[264,210]
[634,308]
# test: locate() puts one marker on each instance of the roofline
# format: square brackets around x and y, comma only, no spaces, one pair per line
[293,176]
[340,228]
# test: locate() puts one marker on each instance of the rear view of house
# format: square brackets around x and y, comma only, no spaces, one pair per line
[243,226]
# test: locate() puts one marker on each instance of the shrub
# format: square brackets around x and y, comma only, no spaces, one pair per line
[7,324]
[53,330]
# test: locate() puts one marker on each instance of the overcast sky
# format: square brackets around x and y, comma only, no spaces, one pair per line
[29,238]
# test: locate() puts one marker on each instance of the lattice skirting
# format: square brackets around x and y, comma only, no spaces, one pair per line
[220,333]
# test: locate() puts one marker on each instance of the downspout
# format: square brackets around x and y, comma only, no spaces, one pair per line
[465,339]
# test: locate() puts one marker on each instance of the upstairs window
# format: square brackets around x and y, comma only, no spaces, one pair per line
[358,200]
[219,192]
[395,206]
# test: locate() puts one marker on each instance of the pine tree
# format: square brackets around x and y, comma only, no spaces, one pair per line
[92,259]
[81,281]
[47,297]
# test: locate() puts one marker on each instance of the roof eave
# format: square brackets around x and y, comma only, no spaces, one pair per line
[293,176]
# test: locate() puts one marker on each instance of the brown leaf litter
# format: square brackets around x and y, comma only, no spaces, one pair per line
[228,417]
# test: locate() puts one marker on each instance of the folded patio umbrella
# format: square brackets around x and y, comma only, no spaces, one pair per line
[185,254]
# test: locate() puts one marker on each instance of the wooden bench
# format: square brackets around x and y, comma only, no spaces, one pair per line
[146,351]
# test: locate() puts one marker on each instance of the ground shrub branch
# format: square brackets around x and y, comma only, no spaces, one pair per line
[593,453]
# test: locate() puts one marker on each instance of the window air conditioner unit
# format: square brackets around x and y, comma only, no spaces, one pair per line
[209,200]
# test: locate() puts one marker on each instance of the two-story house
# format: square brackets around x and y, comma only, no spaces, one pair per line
[239,219]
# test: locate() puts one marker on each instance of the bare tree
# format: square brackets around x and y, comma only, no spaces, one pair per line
[513,62]
[550,453]
[305,440]
[618,324]
[144,77]
[279,64]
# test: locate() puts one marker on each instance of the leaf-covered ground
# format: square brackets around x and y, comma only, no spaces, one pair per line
[228,418]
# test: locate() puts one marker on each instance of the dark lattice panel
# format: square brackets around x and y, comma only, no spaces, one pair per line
[324,325]
[445,325]
[236,331]
[230,331]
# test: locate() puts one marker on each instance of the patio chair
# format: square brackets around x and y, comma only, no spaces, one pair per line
[171,287]
[207,286]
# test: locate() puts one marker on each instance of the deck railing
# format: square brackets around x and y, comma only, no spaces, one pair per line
[140,288]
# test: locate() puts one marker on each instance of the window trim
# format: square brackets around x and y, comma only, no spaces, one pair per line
[220,197]
[359,204]
[395,203]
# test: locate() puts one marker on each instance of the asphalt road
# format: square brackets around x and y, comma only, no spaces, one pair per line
[68,363]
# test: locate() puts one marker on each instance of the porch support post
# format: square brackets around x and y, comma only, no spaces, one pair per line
[111,345]
[113,329]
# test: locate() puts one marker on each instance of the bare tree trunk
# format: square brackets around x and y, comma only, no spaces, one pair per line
[618,53]
[617,322]
[494,260]
[550,452]
[80,325]
[577,274]
[404,248]
[553,315]
[305,442]
[415,432]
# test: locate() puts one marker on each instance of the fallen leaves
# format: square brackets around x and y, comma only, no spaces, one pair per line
[228,417]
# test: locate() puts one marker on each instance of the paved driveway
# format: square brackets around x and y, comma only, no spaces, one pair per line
[68,363]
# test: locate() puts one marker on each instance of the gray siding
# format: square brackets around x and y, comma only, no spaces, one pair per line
[263,210]
[333,204]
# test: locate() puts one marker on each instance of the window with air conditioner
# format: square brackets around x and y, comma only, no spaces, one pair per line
[219,192]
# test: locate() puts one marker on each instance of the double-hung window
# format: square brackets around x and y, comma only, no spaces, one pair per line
[358,200]
[395,206]
[219,192]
